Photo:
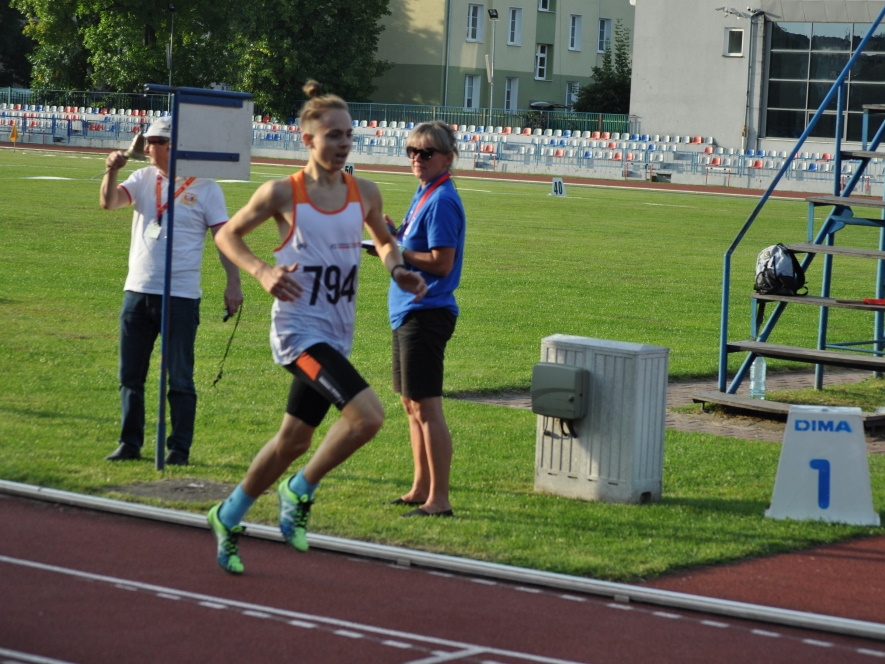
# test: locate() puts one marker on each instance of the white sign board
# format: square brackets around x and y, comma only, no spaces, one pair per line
[214,141]
[558,189]
[823,473]
[348,168]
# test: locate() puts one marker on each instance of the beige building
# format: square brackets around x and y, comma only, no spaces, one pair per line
[443,51]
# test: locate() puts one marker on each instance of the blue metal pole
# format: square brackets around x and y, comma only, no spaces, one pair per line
[167,286]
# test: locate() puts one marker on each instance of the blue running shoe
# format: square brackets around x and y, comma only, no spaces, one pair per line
[228,551]
[294,510]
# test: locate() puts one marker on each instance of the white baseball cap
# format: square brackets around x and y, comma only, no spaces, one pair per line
[161,128]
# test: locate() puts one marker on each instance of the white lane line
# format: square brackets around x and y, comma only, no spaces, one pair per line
[209,601]
[447,656]
[26,657]
[348,633]
[762,632]
[257,614]
[666,614]
[715,623]
[871,653]
[302,623]
[397,644]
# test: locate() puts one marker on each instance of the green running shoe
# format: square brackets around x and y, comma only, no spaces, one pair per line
[228,551]
[294,510]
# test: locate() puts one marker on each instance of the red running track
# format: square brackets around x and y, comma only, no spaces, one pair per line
[84,586]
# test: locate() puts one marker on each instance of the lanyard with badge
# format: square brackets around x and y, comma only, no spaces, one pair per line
[153,229]
[413,212]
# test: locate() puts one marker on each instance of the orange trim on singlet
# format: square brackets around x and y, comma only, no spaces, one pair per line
[300,196]
[309,365]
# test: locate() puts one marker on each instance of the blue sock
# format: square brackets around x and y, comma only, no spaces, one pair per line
[235,507]
[300,486]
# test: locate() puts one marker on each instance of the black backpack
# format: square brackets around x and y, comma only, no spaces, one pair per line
[778,272]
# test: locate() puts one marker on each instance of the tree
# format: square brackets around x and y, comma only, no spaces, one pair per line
[58,59]
[121,44]
[609,92]
[15,70]
[332,41]
[266,47]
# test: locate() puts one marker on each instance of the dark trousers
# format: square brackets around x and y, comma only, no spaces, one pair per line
[140,324]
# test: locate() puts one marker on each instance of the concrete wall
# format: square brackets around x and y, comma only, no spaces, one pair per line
[684,84]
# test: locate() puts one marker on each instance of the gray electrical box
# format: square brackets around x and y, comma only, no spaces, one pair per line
[560,390]
[615,452]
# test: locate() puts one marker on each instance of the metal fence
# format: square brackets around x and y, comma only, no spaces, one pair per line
[457,115]
[627,155]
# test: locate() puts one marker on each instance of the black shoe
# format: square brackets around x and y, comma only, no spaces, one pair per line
[124,453]
[176,458]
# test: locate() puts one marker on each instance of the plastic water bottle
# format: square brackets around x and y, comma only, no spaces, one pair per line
[757,378]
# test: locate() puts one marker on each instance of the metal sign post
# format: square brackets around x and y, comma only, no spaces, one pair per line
[200,162]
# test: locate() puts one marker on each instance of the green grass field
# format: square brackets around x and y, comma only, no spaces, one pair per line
[628,265]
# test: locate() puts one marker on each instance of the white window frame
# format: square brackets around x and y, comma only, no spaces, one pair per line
[574,33]
[604,38]
[475,22]
[472,86]
[545,5]
[542,61]
[571,93]
[511,93]
[514,26]
[727,49]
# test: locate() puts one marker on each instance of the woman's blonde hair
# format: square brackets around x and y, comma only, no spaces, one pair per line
[318,103]
[440,135]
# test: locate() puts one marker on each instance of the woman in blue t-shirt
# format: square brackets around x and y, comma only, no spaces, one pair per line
[431,240]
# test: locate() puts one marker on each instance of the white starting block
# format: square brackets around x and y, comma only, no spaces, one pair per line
[823,473]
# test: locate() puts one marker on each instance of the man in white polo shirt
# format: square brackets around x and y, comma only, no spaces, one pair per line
[199,205]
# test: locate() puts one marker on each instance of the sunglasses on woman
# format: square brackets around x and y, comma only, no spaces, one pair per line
[426,154]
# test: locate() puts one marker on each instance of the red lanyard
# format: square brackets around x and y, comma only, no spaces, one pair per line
[411,214]
[162,208]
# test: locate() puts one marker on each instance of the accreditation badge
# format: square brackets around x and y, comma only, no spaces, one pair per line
[153,230]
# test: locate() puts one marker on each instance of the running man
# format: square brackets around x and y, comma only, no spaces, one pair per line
[319,213]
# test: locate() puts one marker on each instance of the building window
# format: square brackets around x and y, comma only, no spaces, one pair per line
[605,35]
[511,92]
[574,33]
[734,42]
[514,27]
[545,5]
[471,91]
[804,61]
[541,62]
[475,22]
[571,93]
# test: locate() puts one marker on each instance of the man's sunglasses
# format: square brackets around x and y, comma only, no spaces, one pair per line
[157,141]
[426,154]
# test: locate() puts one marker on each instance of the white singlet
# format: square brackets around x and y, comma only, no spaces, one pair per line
[326,246]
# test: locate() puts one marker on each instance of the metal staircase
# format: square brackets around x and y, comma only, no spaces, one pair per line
[845,210]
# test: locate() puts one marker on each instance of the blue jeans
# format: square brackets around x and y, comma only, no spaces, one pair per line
[140,324]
